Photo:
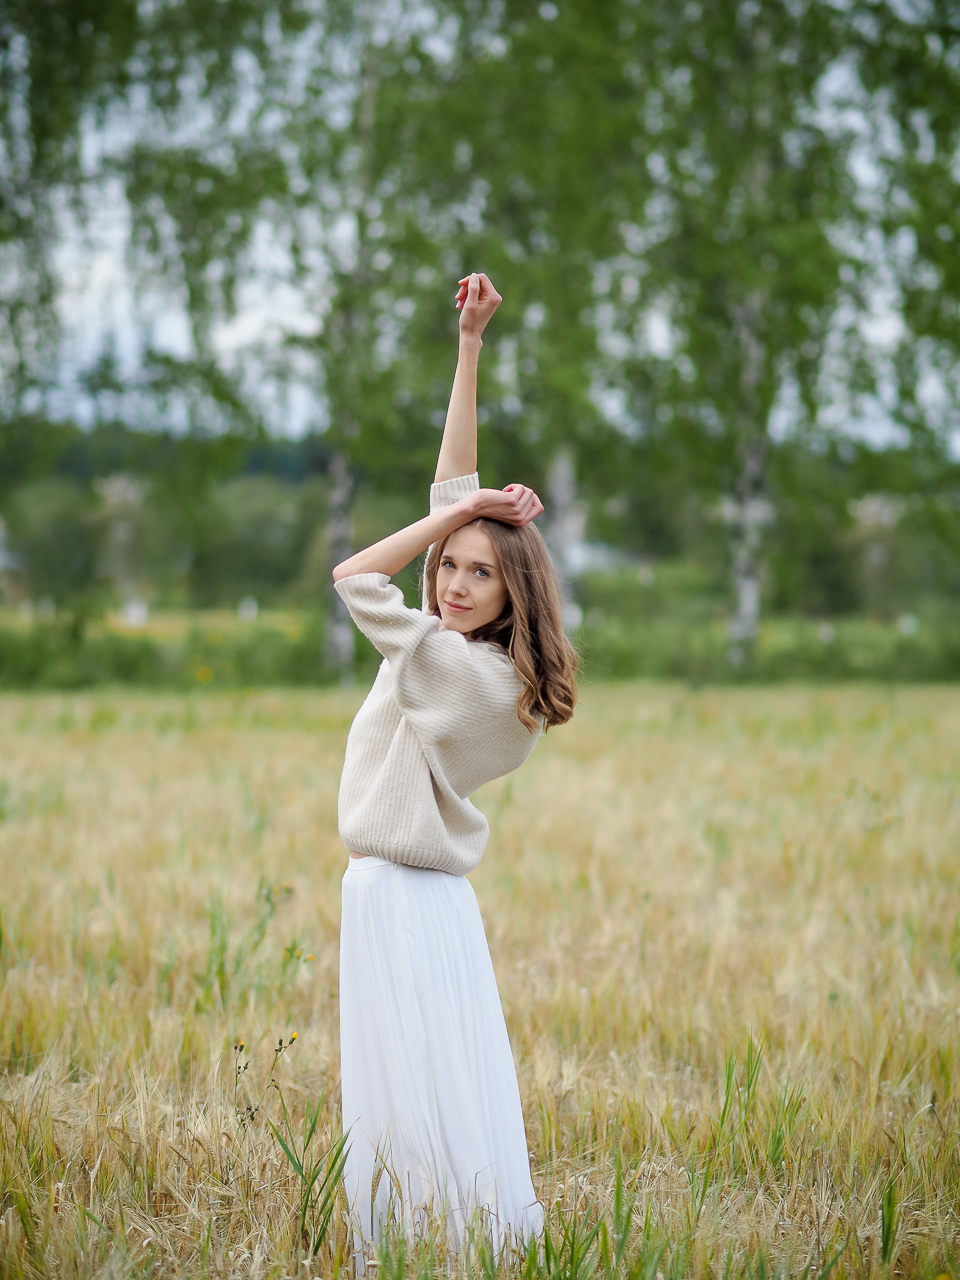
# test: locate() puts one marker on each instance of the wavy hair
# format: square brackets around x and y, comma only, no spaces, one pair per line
[530,628]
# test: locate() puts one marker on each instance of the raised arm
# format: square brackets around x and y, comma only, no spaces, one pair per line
[514,505]
[477,300]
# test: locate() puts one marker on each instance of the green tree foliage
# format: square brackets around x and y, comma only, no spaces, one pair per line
[525,131]
[57,62]
[259,531]
[908,64]
[908,60]
[173,519]
[57,538]
[729,275]
[691,210]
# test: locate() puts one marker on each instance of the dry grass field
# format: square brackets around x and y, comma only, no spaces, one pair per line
[726,927]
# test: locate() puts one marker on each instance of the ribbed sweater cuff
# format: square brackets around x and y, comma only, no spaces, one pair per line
[447,492]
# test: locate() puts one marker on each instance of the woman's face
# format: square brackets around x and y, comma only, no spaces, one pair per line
[470,588]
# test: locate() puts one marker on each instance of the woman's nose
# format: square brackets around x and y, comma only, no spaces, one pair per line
[458,585]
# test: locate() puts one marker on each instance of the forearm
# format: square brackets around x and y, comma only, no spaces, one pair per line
[391,554]
[458,449]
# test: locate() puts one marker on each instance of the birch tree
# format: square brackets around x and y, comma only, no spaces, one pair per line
[58,63]
[908,64]
[288,181]
[731,271]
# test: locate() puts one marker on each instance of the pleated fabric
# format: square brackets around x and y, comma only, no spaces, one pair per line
[430,1092]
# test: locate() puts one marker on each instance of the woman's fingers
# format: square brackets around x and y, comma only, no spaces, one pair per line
[476,289]
[488,297]
[488,292]
[533,507]
[462,291]
[516,504]
[468,303]
[525,505]
[482,276]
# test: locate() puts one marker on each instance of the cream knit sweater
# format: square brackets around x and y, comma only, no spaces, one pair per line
[439,722]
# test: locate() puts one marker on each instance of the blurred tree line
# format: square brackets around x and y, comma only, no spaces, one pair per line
[184,521]
[726,236]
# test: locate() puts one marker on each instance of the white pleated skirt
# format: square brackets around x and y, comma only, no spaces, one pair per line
[430,1095]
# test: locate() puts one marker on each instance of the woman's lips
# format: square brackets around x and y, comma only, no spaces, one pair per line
[457,608]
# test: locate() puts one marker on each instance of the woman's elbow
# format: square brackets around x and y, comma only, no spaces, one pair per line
[341,571]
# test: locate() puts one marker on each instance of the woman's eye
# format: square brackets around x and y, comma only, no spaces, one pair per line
[446,564]
[483,573]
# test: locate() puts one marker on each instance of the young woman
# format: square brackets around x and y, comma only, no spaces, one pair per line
[430,1092]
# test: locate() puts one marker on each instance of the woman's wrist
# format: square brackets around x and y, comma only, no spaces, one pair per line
[470,344]
[464,509]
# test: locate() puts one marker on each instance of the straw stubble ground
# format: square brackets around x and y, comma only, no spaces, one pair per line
[726,927]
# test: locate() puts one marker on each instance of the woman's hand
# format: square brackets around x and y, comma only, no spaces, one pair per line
[477,300]
[516,504]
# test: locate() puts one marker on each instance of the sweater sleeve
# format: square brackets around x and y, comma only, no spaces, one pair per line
[446,686]
[377,606]
[445,494]
[378,609]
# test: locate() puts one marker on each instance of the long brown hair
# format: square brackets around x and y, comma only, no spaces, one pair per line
[530,628]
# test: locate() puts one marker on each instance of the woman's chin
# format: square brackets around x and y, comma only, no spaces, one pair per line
[456,622]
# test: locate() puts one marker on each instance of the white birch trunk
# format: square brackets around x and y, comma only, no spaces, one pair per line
[748,512]
[339,646]
[747,516]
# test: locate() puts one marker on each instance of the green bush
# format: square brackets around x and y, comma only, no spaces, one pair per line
[57,541]
[786,649]
[48,657]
